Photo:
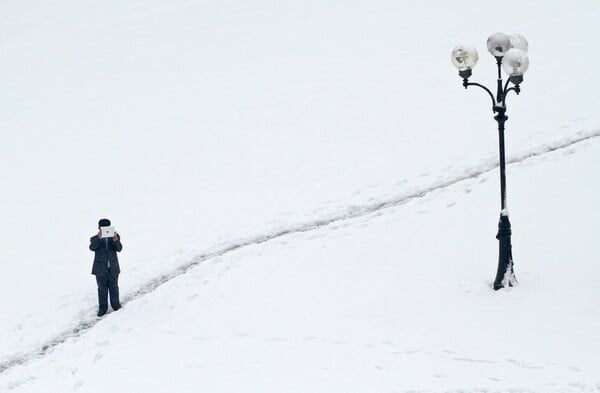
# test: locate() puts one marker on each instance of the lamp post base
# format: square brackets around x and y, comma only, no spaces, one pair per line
[506,274]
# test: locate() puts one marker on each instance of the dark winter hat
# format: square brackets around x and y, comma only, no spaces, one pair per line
[104,222]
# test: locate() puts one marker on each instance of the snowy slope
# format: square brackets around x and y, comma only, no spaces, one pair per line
[382,302]
[202,127]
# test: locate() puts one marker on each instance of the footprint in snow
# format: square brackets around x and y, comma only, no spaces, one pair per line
[523,364]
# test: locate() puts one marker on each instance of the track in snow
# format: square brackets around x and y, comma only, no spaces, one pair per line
[346,214]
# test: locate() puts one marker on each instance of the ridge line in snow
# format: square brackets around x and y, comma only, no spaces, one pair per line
[346,214]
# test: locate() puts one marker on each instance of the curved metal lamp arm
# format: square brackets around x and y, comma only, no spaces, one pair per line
[515,80]
[484,88]
[516,89]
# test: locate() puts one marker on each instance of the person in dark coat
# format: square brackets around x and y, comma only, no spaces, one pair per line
[106,267]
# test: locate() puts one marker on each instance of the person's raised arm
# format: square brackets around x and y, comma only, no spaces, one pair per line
[117,242]
[95,242]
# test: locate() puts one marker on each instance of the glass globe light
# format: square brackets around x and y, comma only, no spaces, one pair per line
[498,44]
[464,57]
[519,42]
[515,62]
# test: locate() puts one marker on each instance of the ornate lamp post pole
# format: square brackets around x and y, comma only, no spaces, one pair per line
[511,54]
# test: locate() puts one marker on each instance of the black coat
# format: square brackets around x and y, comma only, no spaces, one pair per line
[105,251]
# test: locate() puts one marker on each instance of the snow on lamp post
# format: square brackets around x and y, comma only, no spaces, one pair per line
[511,55]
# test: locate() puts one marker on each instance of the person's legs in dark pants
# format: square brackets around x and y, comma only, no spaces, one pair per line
[113,289]
[102,281]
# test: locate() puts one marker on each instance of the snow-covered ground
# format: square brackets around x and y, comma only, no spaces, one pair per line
[307,196]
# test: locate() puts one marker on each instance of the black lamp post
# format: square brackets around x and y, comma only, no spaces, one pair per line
[511,54]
